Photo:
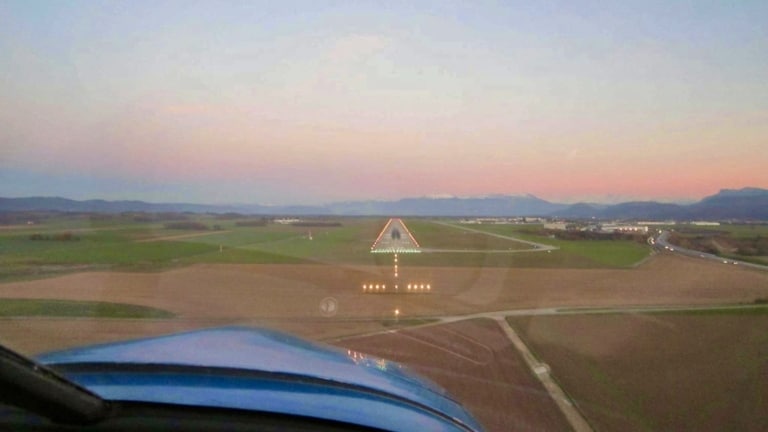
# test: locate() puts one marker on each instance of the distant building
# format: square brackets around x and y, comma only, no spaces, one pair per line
[651,223]
[287,221]
[705,223]
[611,228]
[556,226]
[489,220]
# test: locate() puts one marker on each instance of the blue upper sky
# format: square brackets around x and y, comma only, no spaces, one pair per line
[316,101]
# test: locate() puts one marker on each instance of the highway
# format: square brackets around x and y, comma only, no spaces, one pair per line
[662,243]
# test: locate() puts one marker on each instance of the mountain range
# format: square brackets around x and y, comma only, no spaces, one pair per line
[744,204]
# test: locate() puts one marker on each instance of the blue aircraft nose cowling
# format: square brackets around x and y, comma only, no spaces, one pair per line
[264,370]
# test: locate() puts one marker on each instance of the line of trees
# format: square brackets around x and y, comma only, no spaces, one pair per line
[187,225]
[588,235]
[746,246]
[253,222]
[316,224]
[67,236]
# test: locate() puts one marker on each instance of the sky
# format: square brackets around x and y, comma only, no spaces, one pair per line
[309,102]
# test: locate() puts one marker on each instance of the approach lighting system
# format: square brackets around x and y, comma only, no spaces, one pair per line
[391,239]
[410,288]
[420,287]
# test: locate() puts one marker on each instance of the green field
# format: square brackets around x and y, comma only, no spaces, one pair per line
[122,243]
[70,308]
[348,244]
[432,235]
[611,253]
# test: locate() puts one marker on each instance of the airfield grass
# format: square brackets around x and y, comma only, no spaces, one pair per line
[612,253]
[677,370]
[432,235]
[348,244]
[554,259]
[123,244]
[126,248]
[13,307]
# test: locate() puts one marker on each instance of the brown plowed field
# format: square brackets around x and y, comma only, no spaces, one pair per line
[295,291]
[292,293]
[33,336]
[478,365]
[665,372]
[288,297]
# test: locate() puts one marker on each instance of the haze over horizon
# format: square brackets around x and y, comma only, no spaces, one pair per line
[308,102]
[607,201]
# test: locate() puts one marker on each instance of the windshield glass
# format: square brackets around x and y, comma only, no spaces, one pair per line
[555,211]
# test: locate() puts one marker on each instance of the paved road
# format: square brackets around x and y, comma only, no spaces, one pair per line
[542,370]
[490,251]
[537,247]
[582,311]
[662,243]
[180,236]
[542,373]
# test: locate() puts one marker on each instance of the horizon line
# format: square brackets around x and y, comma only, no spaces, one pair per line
[620,200]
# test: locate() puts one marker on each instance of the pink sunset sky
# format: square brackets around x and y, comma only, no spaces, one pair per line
[313,102]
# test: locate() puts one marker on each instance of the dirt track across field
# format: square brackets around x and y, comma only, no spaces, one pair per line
[180,236]
[639,372]
[32,336]
[289,297]
[295,291]
[478,365]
